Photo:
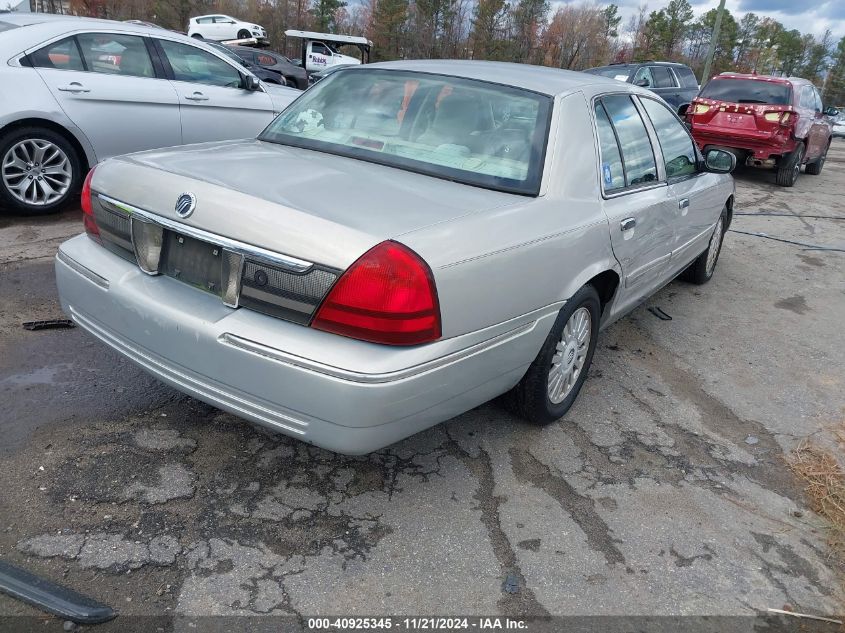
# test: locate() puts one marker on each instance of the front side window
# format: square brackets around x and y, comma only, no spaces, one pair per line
[678,149]
[320,49]
[612,169]
[192,64]
[63,55]
[637,154]
[819,106]
[662,77]
[116,54]
[643,78]
[455,128]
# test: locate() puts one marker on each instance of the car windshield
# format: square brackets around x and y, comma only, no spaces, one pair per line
[747,91]
[465,130]
[611,71]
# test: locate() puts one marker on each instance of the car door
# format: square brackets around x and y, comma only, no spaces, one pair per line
[212,103]
[107,85]
[225,28]
[637,203]
[696,193]
[807,126]
[665,84]
[819,127]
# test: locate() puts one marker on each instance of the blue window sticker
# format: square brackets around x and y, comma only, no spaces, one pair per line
[608,176]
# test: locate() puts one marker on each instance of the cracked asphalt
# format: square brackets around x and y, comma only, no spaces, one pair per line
[665,490]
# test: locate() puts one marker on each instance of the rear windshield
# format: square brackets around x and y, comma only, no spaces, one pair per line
[470,131]
[5,26]
[747,91]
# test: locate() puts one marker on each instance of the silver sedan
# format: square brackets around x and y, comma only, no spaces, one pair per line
[404,242]
[78,91]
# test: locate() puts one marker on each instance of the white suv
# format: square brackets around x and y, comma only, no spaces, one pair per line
[224,27]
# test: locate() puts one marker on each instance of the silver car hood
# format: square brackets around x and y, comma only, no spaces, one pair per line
[307,204]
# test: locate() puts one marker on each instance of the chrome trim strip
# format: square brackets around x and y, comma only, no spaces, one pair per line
[89,274]
[168,372]
[300,362]
[291,264]
[705,233]
[634,276]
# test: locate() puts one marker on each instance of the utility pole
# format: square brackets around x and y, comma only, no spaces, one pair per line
[714,37]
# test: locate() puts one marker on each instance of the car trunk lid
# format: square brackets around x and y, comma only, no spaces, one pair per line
[305,204]
[759,121]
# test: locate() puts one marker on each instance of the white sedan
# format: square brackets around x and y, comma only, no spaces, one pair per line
[224,27]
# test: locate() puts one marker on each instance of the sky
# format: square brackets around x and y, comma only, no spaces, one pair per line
[808,16]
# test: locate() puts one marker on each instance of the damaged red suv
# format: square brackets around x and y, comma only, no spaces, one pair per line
[774,122]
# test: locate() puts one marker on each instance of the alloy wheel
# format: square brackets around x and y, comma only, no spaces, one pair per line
[570,354]
[36,172]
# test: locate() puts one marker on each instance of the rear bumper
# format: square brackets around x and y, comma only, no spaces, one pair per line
[343,395]
[759,147]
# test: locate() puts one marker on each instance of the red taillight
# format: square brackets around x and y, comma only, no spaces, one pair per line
[387,296]
[88,209]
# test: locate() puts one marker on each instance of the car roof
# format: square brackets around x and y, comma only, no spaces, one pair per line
[542,79]
[766,78]
[635,64]
[50,24]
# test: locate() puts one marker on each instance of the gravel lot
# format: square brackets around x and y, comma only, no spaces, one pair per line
[665,490]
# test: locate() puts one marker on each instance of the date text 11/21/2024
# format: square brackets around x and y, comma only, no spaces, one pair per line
[418,623]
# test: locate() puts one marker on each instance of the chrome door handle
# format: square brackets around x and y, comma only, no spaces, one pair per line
[74,87]
[627,224]
[197,96]
[683,203]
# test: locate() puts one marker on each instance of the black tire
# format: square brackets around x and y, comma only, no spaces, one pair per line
[15,136]
[815,168]
[790,167]
[197,36]
[530,398]
[243,34]
[698,272]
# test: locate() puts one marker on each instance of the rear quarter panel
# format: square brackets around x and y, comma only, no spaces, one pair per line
[535,253]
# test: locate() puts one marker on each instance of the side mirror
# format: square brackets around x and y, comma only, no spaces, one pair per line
[642,83]
[719,161]
[251,83]
[831,111]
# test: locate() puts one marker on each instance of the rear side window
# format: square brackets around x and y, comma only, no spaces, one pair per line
[116,54]
[747,91]
[612,170]
[62,55]
[662,77]
[205,20]
[687,77]
[678,149]
[634,142]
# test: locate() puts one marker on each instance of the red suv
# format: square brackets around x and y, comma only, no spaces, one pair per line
[766,121]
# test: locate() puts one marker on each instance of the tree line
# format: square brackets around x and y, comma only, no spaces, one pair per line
[572,36]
